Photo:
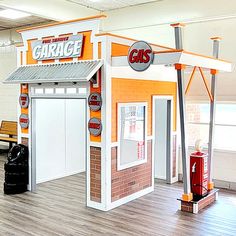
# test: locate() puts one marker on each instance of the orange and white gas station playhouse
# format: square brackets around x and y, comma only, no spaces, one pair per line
[92,105]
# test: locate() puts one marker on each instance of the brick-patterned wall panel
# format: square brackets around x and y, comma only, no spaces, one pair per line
[130,180]
[95,174]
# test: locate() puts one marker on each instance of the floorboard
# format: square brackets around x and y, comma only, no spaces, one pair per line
[58,208]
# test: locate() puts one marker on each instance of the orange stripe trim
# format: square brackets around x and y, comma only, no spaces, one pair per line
[192,53]
[122,37]
[169,51]
[60,23]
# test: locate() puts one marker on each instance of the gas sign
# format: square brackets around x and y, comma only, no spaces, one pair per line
[140,56]
[95,101]
[24,121]
[24,100]
[95,126]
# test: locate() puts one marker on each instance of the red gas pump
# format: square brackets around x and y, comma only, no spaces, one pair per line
[199,172]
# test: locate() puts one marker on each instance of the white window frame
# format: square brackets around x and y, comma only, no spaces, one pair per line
[137,162]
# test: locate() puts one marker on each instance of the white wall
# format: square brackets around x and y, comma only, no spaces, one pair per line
[8,93]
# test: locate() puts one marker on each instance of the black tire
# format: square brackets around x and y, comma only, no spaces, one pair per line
[15,168]
[16,178]
[18,154]
[14,188]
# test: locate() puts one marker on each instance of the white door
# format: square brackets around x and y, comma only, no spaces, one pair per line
[75,135]
[160,145]
[162,123]
[60,137]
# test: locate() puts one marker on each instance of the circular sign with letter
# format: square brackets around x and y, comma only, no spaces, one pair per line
[24,121]
[95,101]
[24,100]
[95,126]
[140,56]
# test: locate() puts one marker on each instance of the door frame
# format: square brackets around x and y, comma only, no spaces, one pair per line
[169,159]
[32,169]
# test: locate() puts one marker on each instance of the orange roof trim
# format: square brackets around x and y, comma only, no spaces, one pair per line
[62,22]
[178,25]
[123,37]
[192,53]
[216,38]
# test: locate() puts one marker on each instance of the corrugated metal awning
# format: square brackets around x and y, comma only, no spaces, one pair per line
[59,72]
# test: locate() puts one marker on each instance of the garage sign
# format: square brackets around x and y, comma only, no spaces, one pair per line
[62,47]
[95,126]
[24,100]
[24,121]
[95,101]
[140,56]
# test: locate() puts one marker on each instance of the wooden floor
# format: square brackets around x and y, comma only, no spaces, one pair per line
[58,208]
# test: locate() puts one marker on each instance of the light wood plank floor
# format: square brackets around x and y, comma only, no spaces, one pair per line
[58,208]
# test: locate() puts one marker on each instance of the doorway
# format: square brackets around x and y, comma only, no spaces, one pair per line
[162,132]
[58,138]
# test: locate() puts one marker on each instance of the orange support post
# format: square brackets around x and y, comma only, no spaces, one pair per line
[190,80]
[206,85]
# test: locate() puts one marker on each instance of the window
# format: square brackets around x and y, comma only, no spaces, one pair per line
[132,134]
[198,118]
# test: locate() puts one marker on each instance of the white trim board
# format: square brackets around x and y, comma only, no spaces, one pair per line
[130,198]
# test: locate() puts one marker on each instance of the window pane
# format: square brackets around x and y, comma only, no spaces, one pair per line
[225,137]
[226,114]
[132,133]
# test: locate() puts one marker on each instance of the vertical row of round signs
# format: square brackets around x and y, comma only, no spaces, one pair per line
[95,104]
[24,103]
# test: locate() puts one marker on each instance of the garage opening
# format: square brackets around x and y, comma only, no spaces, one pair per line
[59,138]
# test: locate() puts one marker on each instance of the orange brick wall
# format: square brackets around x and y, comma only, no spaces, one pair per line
[95,174]
[131,90]
[130,180]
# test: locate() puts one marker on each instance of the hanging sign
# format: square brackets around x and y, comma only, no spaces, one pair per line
[24,121]
[140,56]
[95,101]
[62,47]
[24,100]
[95,126]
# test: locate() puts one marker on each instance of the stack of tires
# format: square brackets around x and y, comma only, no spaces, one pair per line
[16,170]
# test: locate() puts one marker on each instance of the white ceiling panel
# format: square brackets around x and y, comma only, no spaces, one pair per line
[107,5]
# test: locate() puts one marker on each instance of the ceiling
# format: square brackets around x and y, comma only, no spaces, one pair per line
[107,5]
[21,22]
[122,14]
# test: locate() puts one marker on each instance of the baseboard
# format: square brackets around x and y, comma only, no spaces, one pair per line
[130,198]
[217,183]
